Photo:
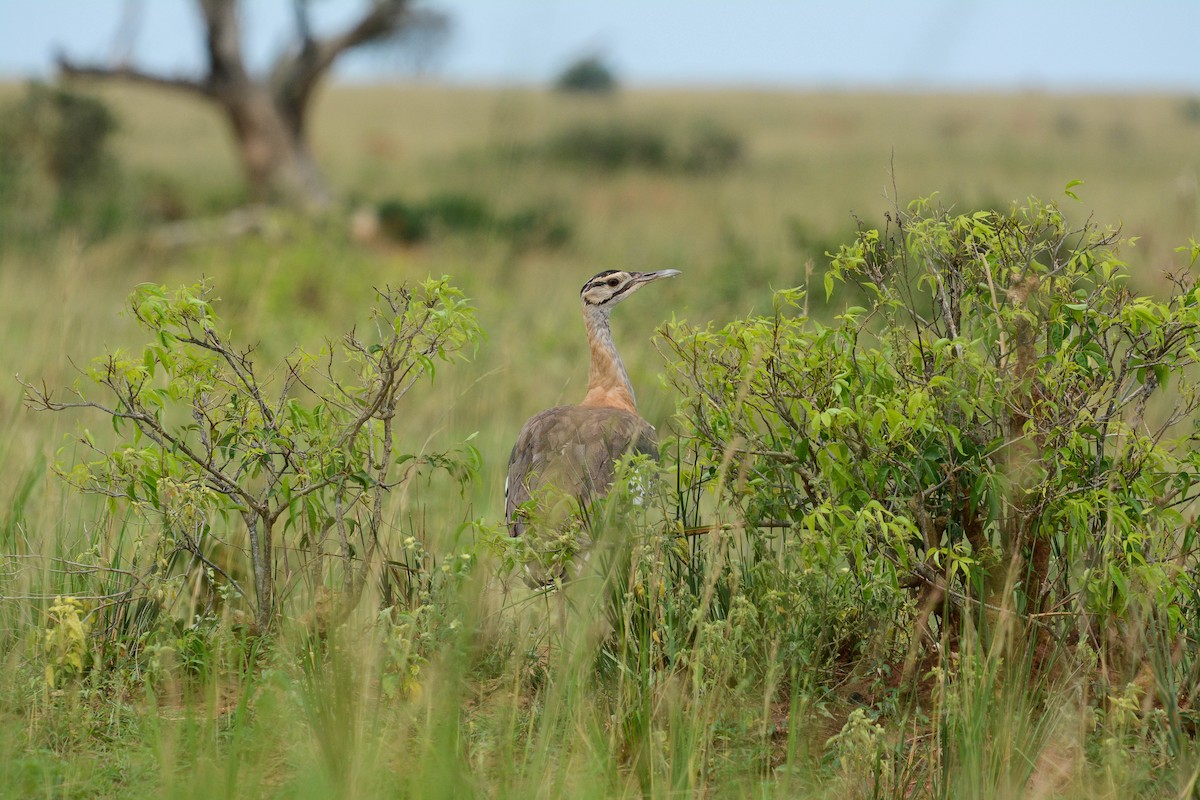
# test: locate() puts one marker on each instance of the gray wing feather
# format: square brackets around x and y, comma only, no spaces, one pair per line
[574,449]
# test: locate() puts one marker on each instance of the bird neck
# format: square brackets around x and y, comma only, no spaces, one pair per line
[608,383]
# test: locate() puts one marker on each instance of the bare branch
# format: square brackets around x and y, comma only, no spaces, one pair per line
[71,69]
[74,567]
[384,18]
[223,46]
[152,428]
[297,72]
[198,554]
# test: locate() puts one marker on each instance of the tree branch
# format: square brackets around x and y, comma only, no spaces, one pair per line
[223,46]
[385,17]
[297,71]
[71,69]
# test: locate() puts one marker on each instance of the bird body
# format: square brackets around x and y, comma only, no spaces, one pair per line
[575,449]
[566,456]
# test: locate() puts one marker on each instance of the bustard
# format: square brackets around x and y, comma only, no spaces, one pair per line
[570,451]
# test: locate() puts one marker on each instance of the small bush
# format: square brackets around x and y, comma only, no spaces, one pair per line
[611,147]
[707,148]
[55,163]
[65,133]
[1189,110]
[215,450]
[403,222]
[587,76]
[456,214]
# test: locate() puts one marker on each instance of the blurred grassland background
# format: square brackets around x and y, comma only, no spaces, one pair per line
[808,166]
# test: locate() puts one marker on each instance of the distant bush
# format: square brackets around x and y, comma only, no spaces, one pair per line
[1189,110]
[706,148]
[402,221]
[611,147]
[458,214]
[587,76]
[55,163]
[64,133]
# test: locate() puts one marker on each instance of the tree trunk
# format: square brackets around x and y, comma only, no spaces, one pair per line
[262,562]
[274,152]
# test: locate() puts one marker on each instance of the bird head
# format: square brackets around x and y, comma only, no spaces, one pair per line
[612,286]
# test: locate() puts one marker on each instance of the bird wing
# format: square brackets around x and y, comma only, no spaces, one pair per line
[573,449]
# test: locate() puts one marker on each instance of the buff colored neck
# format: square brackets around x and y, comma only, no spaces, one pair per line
[608,383]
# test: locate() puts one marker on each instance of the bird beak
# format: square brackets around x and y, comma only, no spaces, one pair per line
[650,277]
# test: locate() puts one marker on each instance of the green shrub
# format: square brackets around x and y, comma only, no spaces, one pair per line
[612,146]
[55,164]
[587,76]
[1189,110]
[64,133]
[1000,427]
[456,214]
[403,222]
[538,226]
[238,471]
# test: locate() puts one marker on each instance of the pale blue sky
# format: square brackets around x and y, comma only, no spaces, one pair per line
[1066,45]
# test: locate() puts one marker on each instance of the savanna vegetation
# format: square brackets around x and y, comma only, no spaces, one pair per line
[926,525]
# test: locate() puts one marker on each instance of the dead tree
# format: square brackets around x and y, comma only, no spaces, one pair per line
[268,113]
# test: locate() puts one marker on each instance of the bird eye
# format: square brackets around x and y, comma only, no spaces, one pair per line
[613,281]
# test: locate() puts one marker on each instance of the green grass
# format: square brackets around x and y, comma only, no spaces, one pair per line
[511,702]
